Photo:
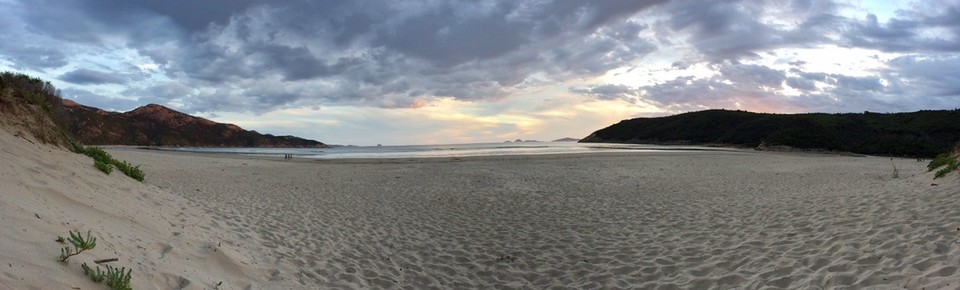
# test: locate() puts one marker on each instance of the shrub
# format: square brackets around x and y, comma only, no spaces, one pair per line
[79,244]
[105,162]
[939,161]
[75,147]
[951,166]
[129,169]
[945,160]
[105,167]
[98,153]
[116,279]
[97,276]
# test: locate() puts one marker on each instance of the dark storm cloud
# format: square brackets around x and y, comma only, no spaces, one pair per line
[446,39]
[386,53]
[86,19]
[257,56]
[450,49]
[24,51]
[86,76]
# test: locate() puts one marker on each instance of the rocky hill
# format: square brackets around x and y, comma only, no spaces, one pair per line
[919,134]
[156,125]
[150,125]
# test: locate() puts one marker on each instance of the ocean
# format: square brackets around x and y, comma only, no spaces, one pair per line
[449,150]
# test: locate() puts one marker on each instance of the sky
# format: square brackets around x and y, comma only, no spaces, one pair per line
[439,72]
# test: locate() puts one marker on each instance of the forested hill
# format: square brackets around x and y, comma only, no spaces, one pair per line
[920,134]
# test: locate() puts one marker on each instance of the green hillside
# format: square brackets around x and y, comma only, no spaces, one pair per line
[921,134]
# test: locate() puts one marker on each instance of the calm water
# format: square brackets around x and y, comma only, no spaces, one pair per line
[452,150]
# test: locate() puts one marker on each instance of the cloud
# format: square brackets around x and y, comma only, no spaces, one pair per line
[609,92]
[934,29]
[801,84]
[733,30]
[259,57]
[372,53]
[92,99]
[32,57]
[932,76]
[26,52]
[86,76]
[762,88]
[753,75]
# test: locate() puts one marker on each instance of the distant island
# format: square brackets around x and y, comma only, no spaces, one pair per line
[566,139]
[916,134]
[150,125]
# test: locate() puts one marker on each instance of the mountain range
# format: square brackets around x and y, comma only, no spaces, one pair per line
[150,125]
[156,125]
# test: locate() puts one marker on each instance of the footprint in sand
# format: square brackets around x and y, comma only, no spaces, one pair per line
[165,248]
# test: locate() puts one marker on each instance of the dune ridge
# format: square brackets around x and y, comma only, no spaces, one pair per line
[46,191]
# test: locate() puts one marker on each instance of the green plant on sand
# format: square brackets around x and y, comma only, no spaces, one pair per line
[115,278]
[105,167]
[105,162]
[79,244]
[945,160]
[96,276]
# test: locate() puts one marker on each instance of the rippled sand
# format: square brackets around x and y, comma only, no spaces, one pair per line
[645,220]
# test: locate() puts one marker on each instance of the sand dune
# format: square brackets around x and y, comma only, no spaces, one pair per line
[654,221]
[46,192]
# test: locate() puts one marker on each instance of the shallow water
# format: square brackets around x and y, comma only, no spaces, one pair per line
[449,150]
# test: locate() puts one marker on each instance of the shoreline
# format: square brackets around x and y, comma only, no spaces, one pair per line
[624,152]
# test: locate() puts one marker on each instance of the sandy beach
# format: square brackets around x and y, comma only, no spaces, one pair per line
[673,220]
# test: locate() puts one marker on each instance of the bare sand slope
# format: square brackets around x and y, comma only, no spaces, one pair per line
[693,220]
[46,192]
